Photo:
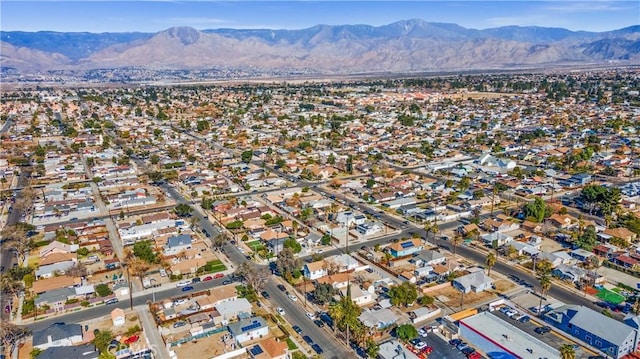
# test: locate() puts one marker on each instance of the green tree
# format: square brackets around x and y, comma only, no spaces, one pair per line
[287,263]
[426,300]
[405,294]
[293,244]
[183,210]
[103,290]
[406,332]
[323,293]
[102,340]
[372,348]
[246,156]
[588,238]
[490,261]
[567,352]
[537,210]
[144,251]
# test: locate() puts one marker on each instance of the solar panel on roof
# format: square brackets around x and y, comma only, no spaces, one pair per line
[253,325]
[406,244]
[256,350]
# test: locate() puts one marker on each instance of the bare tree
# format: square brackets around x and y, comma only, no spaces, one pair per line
[10,285]
[12,335]
[256,278]
[78,270]
[18,242]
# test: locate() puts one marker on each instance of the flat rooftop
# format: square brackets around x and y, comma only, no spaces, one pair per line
[508,336]
[393,349]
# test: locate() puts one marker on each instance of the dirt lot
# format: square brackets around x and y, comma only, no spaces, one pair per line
[471,299]
[208,347]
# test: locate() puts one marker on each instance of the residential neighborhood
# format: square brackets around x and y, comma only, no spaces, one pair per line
[370,219]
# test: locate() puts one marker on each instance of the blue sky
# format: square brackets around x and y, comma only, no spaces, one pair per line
[152,16]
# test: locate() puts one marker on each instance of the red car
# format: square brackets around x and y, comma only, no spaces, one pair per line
[218,276]
[132,339]
[207,278]
[428,349]
[474,355]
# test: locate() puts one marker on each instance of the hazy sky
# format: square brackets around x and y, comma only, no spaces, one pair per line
[153,16]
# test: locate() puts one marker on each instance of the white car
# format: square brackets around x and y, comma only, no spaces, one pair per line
[311,316]
[293,297]
[511,313]
[280,310]
[163,273]
[422,332]
[184,283]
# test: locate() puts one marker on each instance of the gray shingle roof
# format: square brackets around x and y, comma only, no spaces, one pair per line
[57,331]
[76,352]
[598,324]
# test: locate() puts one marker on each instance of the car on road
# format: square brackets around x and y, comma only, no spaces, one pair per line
[265,294]
[187,288]
[542,330]
[307,339]
[310,315]
[282,287]
[218,276]
[280,310]
[183,283]
[297,329]
[207,278]
[292,297]
[316,348]
[524,319]
[111,301]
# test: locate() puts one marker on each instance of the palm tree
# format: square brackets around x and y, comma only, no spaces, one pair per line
[567,352]
[545,286]
[456,240]
[294,226]
[336,312]
[490,262]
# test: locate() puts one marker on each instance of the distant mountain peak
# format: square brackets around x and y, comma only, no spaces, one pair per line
[186,34]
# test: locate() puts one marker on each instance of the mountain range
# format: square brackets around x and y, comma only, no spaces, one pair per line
[403,46]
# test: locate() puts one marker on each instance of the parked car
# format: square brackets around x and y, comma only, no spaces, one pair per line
[282,287]
[196,280]
[468,350]
[418,344]
[319,323]
[310,315]
[280,310]
[422,332]
[317,349]
[226,281]
[207,278]
[179,324]
[293,297]
[111,301]
[542,330]
[307,339]
[183,283]
[265,294]
[524,319]
[455,342]
[297,329]
[132,339]
[163,273]
[187,288]
[462,346]
[505,309]
[218,276]
[474,355]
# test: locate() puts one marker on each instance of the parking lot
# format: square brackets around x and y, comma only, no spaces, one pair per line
[441,348]
[552,338]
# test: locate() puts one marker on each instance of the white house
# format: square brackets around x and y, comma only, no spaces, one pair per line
[177,244]
[315,270]
[118,317]
[248,329]
[473,282]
